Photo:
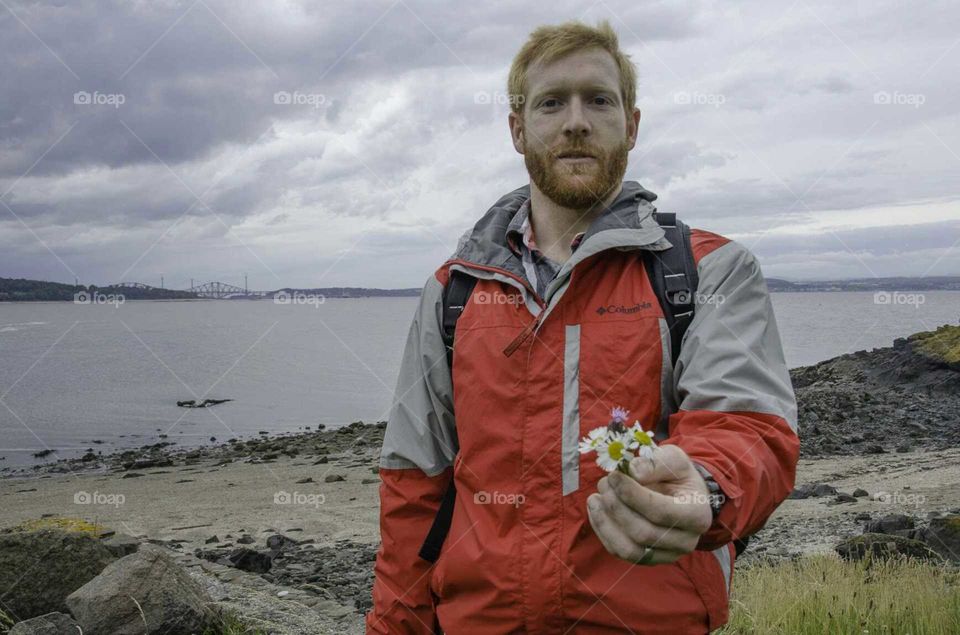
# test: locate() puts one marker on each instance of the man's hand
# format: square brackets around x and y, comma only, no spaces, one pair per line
[665,505]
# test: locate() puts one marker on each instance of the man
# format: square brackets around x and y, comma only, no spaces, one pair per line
[561,327]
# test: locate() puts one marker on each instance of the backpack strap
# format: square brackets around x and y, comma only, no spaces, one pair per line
[673,274]
[455,296]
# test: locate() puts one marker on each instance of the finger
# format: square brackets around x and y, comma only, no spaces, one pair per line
[616,542]
[664,463]
[644,532]
[659,509]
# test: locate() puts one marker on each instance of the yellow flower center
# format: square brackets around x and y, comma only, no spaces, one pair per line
[615,450]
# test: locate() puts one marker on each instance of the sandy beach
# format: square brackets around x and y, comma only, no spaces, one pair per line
[213,498]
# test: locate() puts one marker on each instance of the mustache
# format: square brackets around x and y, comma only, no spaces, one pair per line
[594,152]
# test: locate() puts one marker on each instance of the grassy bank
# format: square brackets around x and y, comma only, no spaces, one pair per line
[942,344]
[231,625]
[824,594]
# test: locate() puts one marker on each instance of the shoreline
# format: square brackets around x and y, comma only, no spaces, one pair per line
[93,457]
[297,512]
[319,491]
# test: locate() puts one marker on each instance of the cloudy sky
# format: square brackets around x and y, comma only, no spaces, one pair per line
[351,142]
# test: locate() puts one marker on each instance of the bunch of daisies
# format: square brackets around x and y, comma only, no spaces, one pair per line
[615,443]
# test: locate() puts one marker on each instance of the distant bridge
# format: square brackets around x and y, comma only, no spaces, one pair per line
[212,290]
[223,291]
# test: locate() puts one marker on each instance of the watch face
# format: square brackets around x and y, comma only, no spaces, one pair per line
[716,500]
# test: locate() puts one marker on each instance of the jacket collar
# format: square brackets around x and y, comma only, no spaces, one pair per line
[627,223]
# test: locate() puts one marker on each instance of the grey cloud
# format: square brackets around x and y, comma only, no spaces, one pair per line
[400,148]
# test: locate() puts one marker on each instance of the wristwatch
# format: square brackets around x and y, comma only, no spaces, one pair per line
[716,494]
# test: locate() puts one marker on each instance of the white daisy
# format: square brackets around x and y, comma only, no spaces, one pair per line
[640,437]
[593,439]
[614,450]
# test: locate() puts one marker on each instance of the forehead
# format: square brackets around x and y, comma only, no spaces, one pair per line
[594,67]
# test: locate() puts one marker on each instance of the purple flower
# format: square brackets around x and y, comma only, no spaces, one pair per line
[619,417]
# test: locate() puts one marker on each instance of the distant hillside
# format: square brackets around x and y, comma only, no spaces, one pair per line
[350,292]
[930,283]
[21,290]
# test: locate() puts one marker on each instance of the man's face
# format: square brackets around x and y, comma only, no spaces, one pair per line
[574,134]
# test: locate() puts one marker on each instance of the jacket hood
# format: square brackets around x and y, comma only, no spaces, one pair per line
[630,216]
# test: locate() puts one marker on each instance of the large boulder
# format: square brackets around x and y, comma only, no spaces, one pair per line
[49,624]
[896,524]
[942,534]
[884,546]
[145,593]
[39,569]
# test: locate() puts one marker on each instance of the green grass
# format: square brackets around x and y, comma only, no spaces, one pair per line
[943,344]
[231,625]
[5,622]
[824,594]
[66,523]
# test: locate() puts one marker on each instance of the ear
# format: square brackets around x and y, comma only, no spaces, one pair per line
[633,126]
[516,131]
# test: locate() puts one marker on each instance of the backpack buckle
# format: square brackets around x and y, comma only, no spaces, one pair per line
[678,289]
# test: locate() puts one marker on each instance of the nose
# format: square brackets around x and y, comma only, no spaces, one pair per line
[576,123]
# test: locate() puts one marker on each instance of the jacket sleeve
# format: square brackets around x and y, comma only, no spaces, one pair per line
[737,414]
[415,469]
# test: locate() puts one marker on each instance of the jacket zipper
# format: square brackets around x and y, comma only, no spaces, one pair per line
[529,328]
[524,335]
[532,327]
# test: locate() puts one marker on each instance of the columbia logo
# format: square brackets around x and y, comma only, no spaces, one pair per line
[619,308]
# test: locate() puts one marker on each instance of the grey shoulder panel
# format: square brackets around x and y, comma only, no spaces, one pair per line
[731,358]
[421,432]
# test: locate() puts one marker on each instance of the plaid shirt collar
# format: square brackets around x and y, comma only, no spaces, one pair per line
[520,233]
[538,268]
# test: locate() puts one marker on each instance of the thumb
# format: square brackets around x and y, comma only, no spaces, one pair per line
[663,463]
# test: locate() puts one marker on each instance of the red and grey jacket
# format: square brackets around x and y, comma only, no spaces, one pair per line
[521,555]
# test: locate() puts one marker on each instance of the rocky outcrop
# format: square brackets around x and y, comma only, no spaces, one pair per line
[39,569]
[942,534]
[887,400]
[884,546]
[145,593]
[49,624]
[899,533]
[206,403]
[342,573]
